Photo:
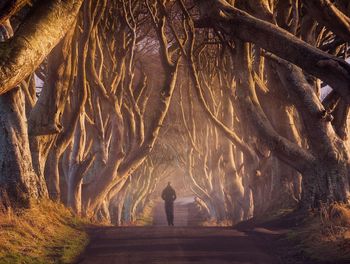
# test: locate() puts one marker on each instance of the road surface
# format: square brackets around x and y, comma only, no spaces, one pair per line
[181,213]
[160,244]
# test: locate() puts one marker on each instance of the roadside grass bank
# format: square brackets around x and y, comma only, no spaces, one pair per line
[324,236]
[318,237]
[46,233]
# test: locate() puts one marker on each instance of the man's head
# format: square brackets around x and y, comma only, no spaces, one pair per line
[169,183]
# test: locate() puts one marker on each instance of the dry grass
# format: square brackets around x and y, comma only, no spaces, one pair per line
[213,222]
[336,216]
[46,233]
[325,235]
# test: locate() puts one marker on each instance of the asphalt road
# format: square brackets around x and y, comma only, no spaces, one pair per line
[182,244]
[175,245]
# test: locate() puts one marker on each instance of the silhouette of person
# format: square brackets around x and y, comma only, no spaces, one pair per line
[169,196]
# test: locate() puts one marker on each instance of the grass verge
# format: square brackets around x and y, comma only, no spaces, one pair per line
[324,236]
[46,233]
[318,237]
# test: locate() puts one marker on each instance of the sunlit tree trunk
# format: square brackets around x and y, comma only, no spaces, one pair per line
[34,40]
[18,180]
[233,181]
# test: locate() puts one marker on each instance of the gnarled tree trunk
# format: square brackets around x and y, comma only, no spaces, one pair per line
[18,180]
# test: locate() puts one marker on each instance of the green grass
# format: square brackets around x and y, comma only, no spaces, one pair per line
[47,233]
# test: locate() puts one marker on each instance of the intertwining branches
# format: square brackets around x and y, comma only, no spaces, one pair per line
[107,74]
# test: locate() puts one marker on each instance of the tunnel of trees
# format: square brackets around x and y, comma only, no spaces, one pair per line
[246,101]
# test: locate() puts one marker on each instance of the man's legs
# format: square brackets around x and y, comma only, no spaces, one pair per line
[169,210]
[172,215]
[166,207]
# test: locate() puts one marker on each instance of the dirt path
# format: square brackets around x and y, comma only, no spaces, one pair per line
[177,245]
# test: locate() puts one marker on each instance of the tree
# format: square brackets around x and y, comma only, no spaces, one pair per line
[253,115]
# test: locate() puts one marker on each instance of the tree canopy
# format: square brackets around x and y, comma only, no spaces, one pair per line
[101,99]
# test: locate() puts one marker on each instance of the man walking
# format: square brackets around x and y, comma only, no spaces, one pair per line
[169,196]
